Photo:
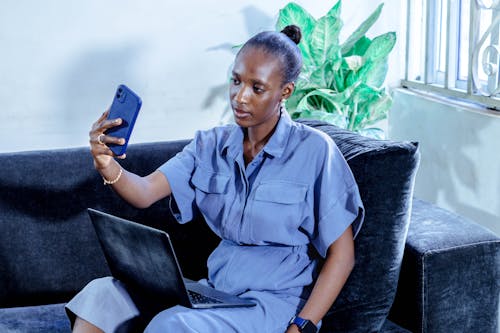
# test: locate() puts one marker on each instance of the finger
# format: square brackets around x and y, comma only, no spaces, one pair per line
[110,123]
[103,139]
[122,157]
[104,125]
[101,150]
[101,119]
[104,115]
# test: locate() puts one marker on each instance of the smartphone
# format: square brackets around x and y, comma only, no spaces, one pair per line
[126,105]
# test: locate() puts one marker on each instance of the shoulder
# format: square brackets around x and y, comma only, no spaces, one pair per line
[211,142]
[214,135]
[312,138]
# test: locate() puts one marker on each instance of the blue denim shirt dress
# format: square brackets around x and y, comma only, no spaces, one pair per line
[295,198]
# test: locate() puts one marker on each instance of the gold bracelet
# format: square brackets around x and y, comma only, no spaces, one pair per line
[111,182]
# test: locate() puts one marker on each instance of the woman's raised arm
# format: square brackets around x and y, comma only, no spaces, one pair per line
[140,192]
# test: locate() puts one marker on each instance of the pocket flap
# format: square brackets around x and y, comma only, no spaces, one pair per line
[209,181]
[281,192]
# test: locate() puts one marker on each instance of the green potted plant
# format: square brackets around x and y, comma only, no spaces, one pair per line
[341,83]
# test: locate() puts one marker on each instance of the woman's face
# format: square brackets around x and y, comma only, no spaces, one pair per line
[256,88]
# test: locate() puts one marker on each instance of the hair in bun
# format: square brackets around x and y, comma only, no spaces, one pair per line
[282,45]
[293,32]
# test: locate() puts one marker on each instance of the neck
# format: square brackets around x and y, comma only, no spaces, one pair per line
[259,135]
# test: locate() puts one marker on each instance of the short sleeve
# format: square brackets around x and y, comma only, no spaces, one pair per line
[178,171]
[337,201]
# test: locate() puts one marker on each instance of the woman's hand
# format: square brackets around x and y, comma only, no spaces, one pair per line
[101,153]
[140,192]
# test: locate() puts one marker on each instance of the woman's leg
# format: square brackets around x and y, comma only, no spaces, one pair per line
[103,304]
[83,326]
[270,315]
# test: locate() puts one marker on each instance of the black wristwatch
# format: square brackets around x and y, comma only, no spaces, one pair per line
[304,325]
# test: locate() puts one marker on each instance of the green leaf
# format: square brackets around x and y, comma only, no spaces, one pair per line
[239,46]
[325,39]
[292,13]
[371,106]
[378,109]
[361,30]
[360,47]
[339,80]
[371,73]
[335,11]
[381,46]
[305,84]
[325,100]
[372,132]
[332,118]
[377,72]
[293,101]
[322,77]
[353,78]
[339,84]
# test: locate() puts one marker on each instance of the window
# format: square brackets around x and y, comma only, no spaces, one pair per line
[452,48]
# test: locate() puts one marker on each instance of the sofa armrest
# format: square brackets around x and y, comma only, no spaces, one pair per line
[449,280]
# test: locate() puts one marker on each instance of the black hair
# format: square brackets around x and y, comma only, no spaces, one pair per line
[283,45]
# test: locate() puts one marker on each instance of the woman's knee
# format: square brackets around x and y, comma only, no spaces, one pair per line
[170,320]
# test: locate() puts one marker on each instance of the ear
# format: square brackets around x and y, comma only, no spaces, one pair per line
[288,89]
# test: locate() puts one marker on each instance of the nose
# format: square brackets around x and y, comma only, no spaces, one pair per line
[241,94]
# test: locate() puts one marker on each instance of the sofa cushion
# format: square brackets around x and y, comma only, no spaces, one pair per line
[390,327]
[34,319]
[48,247]
[384,171]
[448,258]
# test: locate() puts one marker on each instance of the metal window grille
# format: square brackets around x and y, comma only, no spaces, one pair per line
[453,49]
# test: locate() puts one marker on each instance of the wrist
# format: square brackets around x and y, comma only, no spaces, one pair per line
[101,167]
[113,180]
[303,325]
[111,173]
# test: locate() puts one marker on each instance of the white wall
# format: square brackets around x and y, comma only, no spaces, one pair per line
[460,159]
[60,62]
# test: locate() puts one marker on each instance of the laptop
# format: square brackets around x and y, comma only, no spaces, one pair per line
[143,258]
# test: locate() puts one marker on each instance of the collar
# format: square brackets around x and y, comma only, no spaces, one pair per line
[274,147]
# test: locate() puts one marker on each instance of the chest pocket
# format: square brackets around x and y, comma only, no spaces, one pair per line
[281,192]
[211,192]
[209,181]
[277,210]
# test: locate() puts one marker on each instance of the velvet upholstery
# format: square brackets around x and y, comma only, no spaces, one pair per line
[385,172]
[48,248]
[35,319]
[448,258]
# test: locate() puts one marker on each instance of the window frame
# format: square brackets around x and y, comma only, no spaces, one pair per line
[483,51]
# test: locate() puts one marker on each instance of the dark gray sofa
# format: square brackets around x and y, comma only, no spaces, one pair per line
[419,269]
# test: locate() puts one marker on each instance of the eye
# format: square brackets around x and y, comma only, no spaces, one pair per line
[235,81]
[258,89]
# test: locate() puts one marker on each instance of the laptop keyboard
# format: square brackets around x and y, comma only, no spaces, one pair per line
[201,299]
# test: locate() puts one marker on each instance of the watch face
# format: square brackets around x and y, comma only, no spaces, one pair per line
[309,328]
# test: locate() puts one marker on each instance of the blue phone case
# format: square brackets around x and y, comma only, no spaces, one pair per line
[126,105]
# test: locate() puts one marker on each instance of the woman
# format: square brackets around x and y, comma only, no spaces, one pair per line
[272,189]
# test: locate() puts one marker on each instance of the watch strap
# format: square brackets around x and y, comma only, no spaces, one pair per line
[304,325]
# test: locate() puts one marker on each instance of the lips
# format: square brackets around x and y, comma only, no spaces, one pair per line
[239,113]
